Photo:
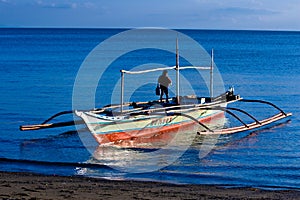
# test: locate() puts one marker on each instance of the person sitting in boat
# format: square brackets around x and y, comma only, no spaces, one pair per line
[164,82]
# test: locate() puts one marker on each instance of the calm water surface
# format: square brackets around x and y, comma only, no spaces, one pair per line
[39,67]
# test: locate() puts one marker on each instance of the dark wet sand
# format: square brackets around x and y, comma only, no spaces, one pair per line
[33,186]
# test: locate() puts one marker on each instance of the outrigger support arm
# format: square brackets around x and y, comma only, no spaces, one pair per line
[194,119]
[265,102]
[185,115]
[228,111]
[58,114]
[51,125]
[242,111]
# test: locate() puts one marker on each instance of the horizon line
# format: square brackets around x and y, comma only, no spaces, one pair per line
[207,29]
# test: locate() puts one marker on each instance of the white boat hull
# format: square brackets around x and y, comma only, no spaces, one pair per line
[115,129]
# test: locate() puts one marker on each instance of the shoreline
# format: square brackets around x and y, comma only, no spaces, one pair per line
[19,185]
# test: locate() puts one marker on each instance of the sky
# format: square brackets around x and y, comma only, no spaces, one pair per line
[181,14]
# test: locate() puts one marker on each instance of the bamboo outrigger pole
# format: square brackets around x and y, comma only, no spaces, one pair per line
[211,75]
[122,90]
[177,72]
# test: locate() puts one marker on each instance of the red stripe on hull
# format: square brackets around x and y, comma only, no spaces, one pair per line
[152,134]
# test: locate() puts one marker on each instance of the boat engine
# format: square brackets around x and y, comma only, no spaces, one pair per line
[230,96]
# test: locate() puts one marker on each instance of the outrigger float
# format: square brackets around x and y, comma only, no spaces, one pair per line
[134,120]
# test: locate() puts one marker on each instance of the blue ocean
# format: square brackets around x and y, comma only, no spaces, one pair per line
[38,71]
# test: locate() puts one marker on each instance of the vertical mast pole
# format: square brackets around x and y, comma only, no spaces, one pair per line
[177,72]
[122,90]
[211,74]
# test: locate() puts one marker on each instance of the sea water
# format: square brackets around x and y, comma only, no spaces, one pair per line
[38,71]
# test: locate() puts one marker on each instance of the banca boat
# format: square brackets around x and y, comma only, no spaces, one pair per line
[134,120]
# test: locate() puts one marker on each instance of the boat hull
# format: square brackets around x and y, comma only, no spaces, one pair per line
[146,128]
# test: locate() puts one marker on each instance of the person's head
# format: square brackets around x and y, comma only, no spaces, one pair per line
[165,72]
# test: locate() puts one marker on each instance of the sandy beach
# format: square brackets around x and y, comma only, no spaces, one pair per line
[34,186]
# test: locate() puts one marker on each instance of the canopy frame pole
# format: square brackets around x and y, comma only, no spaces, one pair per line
[177,72]
[211,84]
[122,90]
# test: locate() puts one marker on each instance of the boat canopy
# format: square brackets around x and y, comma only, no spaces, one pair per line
[164,68]
[177,68]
